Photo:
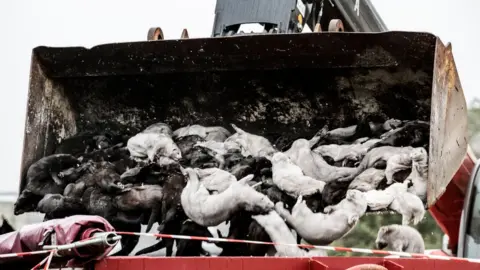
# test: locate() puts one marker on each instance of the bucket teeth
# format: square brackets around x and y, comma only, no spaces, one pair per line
[336,25]
[155,33]
[184,34]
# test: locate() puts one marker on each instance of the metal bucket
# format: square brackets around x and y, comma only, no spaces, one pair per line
[270,85]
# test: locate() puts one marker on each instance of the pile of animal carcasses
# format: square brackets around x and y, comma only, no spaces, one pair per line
[207,181]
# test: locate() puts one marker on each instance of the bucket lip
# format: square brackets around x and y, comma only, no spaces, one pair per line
[240,53]
[246,37]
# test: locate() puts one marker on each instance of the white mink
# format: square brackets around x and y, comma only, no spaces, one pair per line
[289,177]
[419,174]
[215,179]
[378,154]
[313,165]
[400,238]
[279,233]
[215,133]
[211,210]
[339,152]
[367,180]
[152,145]
[381,199]
[324,228]
[255,145]
[396,164]
[219,147]
[409,206]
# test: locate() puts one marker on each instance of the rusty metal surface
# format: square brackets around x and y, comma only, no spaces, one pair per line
[448,130]
[271,85]
[155,33]
[184,34]
[49,117]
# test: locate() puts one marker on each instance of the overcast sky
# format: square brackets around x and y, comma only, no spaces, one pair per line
[25,24]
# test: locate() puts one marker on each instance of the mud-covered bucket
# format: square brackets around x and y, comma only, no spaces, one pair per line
[269,85]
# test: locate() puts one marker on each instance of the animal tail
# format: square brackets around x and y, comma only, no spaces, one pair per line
[245,179]
[169,216]
[238,130]
[154,216]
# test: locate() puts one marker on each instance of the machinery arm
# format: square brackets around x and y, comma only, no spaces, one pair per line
[290,16]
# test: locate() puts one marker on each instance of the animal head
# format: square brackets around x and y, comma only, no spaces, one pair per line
[357,199]
[174,151]
[166,148]
[384,235]
[419,154]
[101,141]
[26,202]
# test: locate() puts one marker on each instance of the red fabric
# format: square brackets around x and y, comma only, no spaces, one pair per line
[67,230]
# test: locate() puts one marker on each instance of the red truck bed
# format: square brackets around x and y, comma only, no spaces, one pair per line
[264,263]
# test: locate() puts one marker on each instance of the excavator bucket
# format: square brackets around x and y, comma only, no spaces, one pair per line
[270,85]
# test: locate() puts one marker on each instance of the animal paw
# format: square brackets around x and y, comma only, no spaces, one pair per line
[322,132]
[279,206]
[328,210]
[161,228]
[352,220]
